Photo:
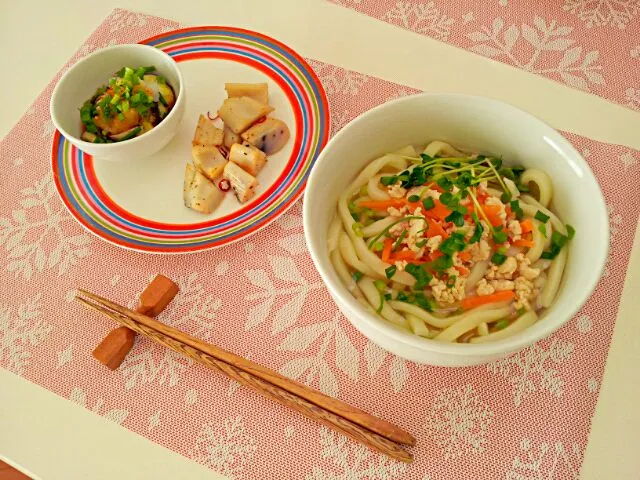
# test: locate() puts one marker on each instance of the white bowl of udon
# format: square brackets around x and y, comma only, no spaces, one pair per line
[454,230]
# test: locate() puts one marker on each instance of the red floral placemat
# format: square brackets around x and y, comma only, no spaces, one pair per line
[586,44]
[524,417]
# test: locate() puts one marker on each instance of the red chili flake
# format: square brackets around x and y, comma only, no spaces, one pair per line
[212,118]
[224,185]
[224,151]
[261,120]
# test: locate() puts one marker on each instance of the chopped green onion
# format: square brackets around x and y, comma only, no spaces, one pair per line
[498,258]
[357,275]
[558,239]
[442,263]
[128,74]
[380,285]
[421,243]
[541,217]
[542,228]
[378,247]
[381,306]
[428,203]
[364,190]
[451,281]
[420,274]
[120,116]
[515,207]
[414,198]
[521,311]
[160,79]
[502,324]
[357,229]
[422,301]
[402,297]
[162,100]
[455,243]
[390,271]
[548,255]
[505,197]
[387,296]
[399,240]
[125,106]
[571,232]
[499,236]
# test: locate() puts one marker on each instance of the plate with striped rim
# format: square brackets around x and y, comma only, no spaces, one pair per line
[139,205]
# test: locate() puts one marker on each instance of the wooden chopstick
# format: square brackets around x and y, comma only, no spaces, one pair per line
[357,416]
[202,352]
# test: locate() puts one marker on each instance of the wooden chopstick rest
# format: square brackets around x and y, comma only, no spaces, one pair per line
[113,349]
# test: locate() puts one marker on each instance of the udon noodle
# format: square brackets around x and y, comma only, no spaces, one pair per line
[450,245]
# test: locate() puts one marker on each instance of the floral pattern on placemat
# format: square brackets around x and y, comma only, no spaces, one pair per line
[263,299]
[589,45]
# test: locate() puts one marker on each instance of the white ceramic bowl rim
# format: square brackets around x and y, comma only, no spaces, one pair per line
[510,344]
[82,143]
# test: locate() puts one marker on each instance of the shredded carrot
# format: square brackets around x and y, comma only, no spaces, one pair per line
[477,300]
[464,256]
[407,255]
[383,204]
[462,270]
[523,243]
[435,229]
[526,226]
[492,211]
[413,205]
[386,251]
[439,212]
[434,255]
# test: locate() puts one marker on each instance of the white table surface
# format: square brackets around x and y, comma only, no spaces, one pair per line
[51,438]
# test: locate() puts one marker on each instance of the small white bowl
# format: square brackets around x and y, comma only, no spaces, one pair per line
[479,124]
[81,81]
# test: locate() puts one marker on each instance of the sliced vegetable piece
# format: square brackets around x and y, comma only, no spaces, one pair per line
[269,136]
[244,184]
[238,113]
[199,193]
[207,133]
[386,250]
[230,137]
[249,158]
[209,160]
[526,226]
[474,301]
[257,91]
[524,243]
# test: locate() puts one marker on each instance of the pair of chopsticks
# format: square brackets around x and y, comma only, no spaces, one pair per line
[371,431]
